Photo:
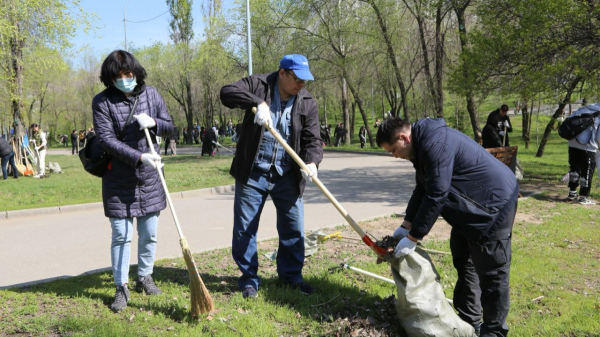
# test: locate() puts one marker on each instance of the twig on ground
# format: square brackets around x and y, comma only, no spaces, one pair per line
[537,298]
[320,304]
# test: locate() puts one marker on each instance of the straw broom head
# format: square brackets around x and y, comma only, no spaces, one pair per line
[200,298]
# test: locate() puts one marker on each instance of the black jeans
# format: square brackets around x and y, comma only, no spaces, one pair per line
[581,170]
[482,288]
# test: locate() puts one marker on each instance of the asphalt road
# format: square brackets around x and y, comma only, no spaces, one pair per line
[45,244]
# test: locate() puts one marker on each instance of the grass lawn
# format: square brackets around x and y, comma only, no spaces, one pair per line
[75,186]
[554,289]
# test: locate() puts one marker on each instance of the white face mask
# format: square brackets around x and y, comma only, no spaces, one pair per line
[125,84]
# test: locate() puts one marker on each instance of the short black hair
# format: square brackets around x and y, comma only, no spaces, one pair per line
[504,107]
[389,128]
[117,61]
[33,126]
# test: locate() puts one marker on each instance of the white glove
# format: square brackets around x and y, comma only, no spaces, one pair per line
[308,175]
[37,148]
[263,115]
[145,121]
[400,232]
[405,247]
[507,124]
[501,133]
[152,160]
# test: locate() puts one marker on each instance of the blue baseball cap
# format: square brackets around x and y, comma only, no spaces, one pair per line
[299,64]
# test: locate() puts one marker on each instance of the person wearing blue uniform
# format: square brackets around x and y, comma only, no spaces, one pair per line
[477,195]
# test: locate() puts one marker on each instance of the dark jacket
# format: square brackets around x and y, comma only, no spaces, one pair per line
[490,137]
[457,178]
[305,138]
[130,188]
[5,147]
[497,121]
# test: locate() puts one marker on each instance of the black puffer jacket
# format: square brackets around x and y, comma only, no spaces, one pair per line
[305,139]
[459,179]
[129,188]
[5,147]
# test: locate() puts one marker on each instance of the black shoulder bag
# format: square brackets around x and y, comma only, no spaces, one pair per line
[92,156]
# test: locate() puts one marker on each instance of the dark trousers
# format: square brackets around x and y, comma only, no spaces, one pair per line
[10,158]
[73,147]
[581,170]
[482,288]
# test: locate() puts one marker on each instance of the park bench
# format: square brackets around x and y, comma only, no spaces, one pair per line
[507,155]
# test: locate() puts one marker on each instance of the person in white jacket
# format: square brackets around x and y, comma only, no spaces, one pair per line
[583,158]
[39,143]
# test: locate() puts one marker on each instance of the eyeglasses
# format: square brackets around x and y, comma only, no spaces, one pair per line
[298,81]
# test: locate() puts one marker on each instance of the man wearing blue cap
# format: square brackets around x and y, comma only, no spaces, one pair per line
[262,168]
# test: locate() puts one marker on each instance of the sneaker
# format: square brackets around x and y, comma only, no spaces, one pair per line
[37,176]
[121,298]
[586,201]
[249,292]
[146,284]
[304,288]
[572,195]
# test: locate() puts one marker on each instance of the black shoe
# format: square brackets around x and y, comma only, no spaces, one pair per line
[121,298]
[16,177]
[146,284]
[249,292]
[304,288]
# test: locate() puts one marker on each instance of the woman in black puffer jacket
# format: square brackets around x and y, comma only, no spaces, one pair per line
[131,186]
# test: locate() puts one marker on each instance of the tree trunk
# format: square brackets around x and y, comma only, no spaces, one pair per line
[345,112]
[352,119]
[16,52]
[358,101]
[526,118]
[557,114]
[471,107]
[392,57]
[439,61]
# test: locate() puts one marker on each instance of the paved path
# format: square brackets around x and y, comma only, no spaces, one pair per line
[39,247]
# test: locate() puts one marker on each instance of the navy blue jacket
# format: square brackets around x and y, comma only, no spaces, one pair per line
[459,180]
[130,188]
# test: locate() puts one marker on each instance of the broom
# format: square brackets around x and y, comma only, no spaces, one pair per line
[380,251]
[199,296]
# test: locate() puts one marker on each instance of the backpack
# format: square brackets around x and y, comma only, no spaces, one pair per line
[575,125]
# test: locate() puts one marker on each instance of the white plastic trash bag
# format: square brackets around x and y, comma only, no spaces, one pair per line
[422,306]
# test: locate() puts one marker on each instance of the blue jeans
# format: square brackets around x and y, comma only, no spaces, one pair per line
[5,160]
[248,205]
[122,232]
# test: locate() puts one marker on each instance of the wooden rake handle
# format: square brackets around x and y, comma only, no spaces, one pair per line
[164,185]
[366,239]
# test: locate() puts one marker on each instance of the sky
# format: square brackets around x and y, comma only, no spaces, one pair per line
[110,32]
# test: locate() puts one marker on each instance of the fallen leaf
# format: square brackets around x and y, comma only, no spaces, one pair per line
[131,317]
[170,328]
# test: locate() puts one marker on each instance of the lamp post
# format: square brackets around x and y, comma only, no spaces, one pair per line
[249,42]
[125,23]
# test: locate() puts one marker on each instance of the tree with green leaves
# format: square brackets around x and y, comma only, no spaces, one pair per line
[26,23]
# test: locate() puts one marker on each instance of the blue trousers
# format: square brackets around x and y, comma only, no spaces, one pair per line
[122,232]
[10,158]
[249,201]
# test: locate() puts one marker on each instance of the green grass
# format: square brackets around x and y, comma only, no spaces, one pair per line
[555,255]
[75,186]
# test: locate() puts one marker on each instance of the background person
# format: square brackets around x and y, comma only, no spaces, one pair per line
[583,151]
[39,142]
[262,168]
[477,195]
[501,122]
[74,140]
[8,156]
[131,186]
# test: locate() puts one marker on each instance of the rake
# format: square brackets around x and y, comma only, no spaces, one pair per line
[200,298]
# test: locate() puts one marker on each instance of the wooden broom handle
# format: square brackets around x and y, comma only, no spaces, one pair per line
[367,240]
[164,185]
